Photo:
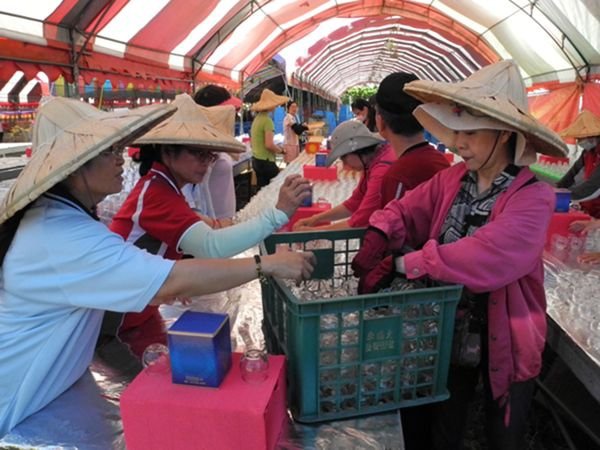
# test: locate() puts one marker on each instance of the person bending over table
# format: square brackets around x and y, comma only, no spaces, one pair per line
[156,216]
[480,224]
[359,149]
[62,268]
[583,178]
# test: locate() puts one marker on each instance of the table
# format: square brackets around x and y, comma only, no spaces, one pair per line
[242,165]
[9,148]
[242,177]
[569,383]
[580,363]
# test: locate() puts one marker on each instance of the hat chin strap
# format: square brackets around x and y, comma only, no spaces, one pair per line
[362,161]
[491,152]
[88,192]
[366,159]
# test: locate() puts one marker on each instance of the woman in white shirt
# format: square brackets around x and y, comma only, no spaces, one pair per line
[291,126]
[61,268]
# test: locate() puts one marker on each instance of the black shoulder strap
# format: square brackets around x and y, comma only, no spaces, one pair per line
[532,180]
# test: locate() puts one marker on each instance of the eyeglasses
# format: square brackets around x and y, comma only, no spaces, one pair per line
[115,151]
[203,155]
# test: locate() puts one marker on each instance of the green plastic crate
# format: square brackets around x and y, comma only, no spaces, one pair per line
[362,354]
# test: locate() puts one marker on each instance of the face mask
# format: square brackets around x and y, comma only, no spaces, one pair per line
[587,143]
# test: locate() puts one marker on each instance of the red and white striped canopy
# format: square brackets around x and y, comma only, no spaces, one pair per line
[328,45]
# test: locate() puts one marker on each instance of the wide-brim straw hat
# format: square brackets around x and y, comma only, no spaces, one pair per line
[349,137]
[269,100]
[209,128]
[496,93]
[68,133]
[585,125]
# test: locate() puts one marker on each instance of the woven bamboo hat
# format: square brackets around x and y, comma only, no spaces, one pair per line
[193,125]
[68,133]
[585,125]
[269,100]
[494,97]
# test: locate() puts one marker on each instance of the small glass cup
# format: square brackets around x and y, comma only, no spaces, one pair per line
[254,366]
[153,353]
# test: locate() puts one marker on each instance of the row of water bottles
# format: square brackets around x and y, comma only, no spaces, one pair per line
[568,248]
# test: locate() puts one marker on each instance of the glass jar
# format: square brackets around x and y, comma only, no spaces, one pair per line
[153,353]
[254,366]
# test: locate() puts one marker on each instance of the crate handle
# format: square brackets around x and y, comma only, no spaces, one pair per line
[296,237]
[324,266]
[375,315]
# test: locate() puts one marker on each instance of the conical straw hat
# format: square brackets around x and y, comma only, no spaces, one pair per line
[222,118]
[496,92]
[585,125]
[269,100]
[196,126]
[68,133]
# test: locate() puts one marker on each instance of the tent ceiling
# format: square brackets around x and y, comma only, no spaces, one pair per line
[327,44]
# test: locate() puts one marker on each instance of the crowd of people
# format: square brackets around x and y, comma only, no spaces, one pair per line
[478,223]
[55,291]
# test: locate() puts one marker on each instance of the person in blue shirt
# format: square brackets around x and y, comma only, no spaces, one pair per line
[61,268]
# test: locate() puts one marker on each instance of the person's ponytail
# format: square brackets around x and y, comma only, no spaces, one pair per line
[8,230]
[146,157]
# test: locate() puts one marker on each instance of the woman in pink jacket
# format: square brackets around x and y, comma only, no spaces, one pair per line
[481,224]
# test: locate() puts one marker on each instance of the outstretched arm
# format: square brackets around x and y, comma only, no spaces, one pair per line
[192,277]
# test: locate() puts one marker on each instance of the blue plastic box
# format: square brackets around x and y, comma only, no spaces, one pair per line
[200,348]
[563,200]
[321,160]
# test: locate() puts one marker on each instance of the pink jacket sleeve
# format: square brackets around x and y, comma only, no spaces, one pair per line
[505,249]
[410,219]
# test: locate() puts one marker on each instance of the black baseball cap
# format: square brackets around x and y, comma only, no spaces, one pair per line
[391,96]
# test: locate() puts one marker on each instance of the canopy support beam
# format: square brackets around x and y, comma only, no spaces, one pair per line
[76,53]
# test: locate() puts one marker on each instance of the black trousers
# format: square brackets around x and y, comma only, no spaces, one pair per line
[441,426]
[264,170]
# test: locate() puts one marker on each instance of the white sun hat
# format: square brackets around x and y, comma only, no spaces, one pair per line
[494,97]
[348,137]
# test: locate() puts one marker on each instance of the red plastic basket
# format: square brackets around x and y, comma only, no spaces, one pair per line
[307,211]
[320,173]
[545,159]
[560,224]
